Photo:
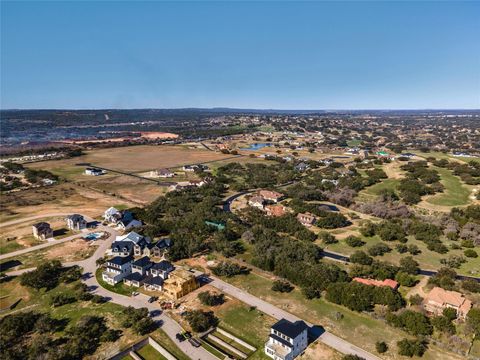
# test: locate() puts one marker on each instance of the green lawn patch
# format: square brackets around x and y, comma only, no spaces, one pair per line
[119,288]
[212,350]
[455,193]
[147,352]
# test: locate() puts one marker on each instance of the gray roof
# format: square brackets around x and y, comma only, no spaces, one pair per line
[135,277]
[120,260]
[162,265]
[153,280]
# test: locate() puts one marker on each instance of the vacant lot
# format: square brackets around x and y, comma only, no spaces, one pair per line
[62,198]
[133,159]
[19,236]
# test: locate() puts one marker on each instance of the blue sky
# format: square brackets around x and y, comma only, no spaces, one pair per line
[283,55]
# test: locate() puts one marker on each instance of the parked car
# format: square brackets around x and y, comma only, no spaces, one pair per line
[187,334]
[152,299]
[180,337]
[194,342]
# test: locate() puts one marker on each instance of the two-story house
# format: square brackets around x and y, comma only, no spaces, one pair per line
[287,340]
[42,231]
[116,269]
[76,222]
[140,268]
[439,299]
[131,243]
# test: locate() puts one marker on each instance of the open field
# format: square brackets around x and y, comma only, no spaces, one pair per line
[74,250]
[440,155]
[455,194]
[133,159]
[362,330]
[67,198]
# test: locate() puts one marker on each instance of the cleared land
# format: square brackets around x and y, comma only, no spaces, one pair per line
[133,159]
[62,198]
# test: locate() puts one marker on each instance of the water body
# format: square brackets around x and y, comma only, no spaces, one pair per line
[256,146]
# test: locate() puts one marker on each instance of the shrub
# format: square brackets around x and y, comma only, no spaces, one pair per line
[209,299]
[327,238]
[379,249]
[332,221]
[229,269]
[411,348]
[471,285]
[381,347]
[354,241]
[201,321]
[411,321]
[470,253]
[360,257]
[282,286]
[415,299]
[61,299]
[409,265]
[405,279]
[401,248]
[45,276]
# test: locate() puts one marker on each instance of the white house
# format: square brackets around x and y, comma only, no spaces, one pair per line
[76,222]
[112,215]
[94,172]
[287,340]
[116,269]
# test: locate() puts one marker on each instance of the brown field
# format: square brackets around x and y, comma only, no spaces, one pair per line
[62,198]
[133,159]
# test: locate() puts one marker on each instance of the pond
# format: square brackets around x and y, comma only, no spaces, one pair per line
[256,146]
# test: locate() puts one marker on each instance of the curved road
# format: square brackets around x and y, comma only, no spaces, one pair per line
[170,326]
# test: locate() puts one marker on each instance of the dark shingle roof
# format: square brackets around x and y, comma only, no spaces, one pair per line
[142,262]
[153,280]
[162,265]
[134,277]
[120,260]
[288,328]
[120,245]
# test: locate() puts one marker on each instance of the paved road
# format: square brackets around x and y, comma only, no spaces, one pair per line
[324,336]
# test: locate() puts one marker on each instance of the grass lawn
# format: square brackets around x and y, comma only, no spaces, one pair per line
[119,288]
[455,193]
[162,338]
[147,352]
[360,329]
[354,142]
[232,342]
[475,350]
[212,350]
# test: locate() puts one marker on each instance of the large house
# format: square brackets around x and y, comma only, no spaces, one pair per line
[287,340]
[122,219]
[306,219]
[76,222]
[271,196]
[116,269]
[179,283]
[439,299]
[257,202]
[42,231]
[129,244]
[275,210]
[94,172]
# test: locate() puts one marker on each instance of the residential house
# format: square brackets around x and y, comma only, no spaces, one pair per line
[131,243]
[139,271]
[116,269]
[306,219]
[287,340]
[195,167]
[275,210]
[439,299]
[271,196]
[257,202]
[112,215]
[42,231]
[76,222]
[161,269]
[372,282]
[301,167]
[179,283]
[163,173]
[94,172]
[160,247]
[153,283]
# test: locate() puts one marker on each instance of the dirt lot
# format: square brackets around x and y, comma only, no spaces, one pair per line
[320,351]
[57,199]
